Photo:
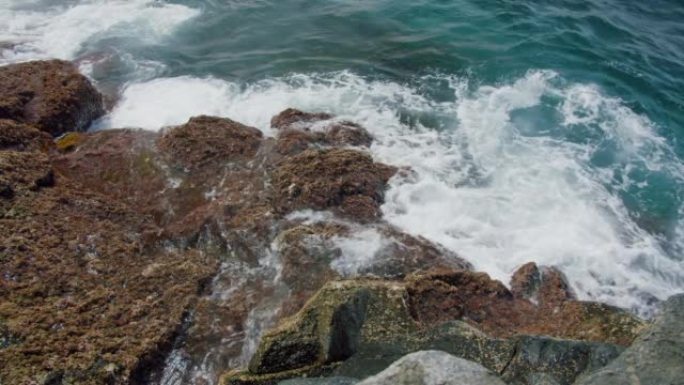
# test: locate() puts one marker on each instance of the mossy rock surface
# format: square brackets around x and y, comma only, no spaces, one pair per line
[331,326]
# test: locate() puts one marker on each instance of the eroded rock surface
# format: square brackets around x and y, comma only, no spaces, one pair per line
[356,328]
[656,357]
[345,181]
[298,131]
[50,95]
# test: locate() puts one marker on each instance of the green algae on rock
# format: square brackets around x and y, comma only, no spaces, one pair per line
[382,322]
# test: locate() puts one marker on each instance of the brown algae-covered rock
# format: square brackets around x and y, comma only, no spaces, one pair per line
[324,179]
[205,139]
[22,137]
[50,95]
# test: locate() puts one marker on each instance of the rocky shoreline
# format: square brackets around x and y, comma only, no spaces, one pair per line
[207,250]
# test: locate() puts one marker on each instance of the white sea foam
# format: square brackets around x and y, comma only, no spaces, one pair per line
[41,29]
[493,184]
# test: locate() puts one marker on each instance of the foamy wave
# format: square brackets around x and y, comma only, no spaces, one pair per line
[49,31]
[511,173]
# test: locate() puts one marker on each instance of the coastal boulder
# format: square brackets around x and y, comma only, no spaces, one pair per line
[50,95]
[298,130]
[546,285]
[294,118]
[433,368]
[346,181]
[205,139]
[655,358]
[332,324]
[442,294]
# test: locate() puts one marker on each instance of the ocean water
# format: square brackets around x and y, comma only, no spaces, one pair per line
[547,131]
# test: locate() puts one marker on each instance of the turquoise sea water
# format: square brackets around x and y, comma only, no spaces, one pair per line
[539,130]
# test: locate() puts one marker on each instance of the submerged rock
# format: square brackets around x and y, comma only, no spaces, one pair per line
[50,95]
[655,358]
[433,368]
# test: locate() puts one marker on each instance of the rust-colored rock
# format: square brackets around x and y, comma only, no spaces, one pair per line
[546,286]
[347,134]
[292,116]
[85,295]
[445,294]
[324,179]
[297,133]
[25,172]
[50,95]
[206,139]
[21,137]
[292,141]
[442,295]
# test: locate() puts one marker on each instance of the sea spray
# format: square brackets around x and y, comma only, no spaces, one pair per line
[501,174]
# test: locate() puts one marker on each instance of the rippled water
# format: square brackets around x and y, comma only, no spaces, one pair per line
[539,130]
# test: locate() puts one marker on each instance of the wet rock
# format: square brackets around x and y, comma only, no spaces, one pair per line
[16,136]
[324,179]
[331,325]
[330,328]
[309,248]
[121,164]
[541,379]
[347,134]
[320,381]
[526,281]
[292,141]
[375,327]
[317,249]
[86,295]
[546,286]
[442,295]
[299,119]
[405,254]
[299,131]
[560,361]
[433,368]
[655,358]
[206,139]
[50,95]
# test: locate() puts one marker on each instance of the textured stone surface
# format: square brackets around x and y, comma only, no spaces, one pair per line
[433,368]
[655,358]
[50,95]
[331,179]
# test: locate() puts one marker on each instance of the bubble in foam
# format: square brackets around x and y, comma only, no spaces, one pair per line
[494,182]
